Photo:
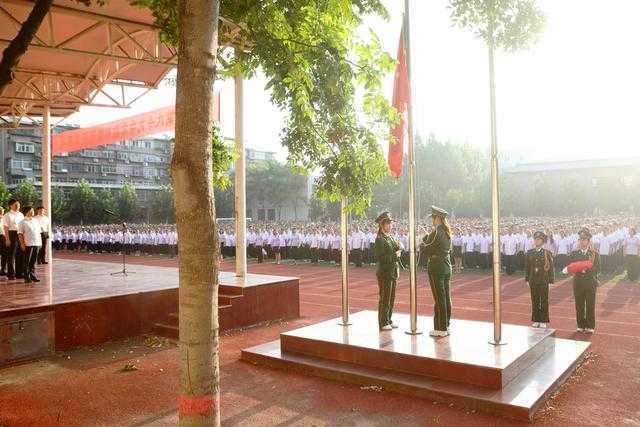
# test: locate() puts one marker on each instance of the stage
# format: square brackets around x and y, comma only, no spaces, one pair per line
[464,369]
[79,303]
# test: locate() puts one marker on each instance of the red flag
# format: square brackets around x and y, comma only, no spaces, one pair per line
[401,100]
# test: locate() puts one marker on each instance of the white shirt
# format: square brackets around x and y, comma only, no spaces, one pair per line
[12,219]
[44,222]
[631,245]
[30,230]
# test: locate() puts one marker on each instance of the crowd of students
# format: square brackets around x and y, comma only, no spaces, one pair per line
[614,238]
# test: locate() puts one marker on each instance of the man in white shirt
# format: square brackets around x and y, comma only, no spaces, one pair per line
[509,249]
[12,244]
[45,225]
[631,247]
[357,245]
[30,235]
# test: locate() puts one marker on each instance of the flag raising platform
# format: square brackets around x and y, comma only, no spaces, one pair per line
[513,379]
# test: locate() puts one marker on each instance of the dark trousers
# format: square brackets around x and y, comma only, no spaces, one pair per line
[585,296]
[14,256]
[633,267]
[3,255]
[510,264]
[387,291]
[42,256]
[605,264]
[356,254]
[29,268]
[439,283]
[539,302]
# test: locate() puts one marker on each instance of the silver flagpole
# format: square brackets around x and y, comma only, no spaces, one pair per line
[495,210]
[413,291]
[344,242]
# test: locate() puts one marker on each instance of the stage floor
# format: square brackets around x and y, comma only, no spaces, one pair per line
[67,281]
[80,303]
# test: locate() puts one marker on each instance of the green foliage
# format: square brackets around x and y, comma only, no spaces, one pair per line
[82,201]
[5,195]
[105,201]
[265,184]
[162,206]
[59,205]
[315,64]
[26,193]
[223,157]
[127,202]
[508,24]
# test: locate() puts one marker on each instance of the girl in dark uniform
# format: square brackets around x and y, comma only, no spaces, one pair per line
[387,252]
[437,247]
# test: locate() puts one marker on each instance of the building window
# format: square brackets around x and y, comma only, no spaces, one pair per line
[21,147]
[261,215]
[59,167]
[271,214]
[108,169]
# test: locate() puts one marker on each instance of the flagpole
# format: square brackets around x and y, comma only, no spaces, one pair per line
[413,294]
[495,209]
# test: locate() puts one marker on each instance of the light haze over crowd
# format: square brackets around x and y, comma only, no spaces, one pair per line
[572,96]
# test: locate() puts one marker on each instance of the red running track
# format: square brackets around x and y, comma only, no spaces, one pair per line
[605,392]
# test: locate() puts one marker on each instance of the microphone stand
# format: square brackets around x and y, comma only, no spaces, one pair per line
[124,271]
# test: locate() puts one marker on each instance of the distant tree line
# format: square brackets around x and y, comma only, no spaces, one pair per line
[457,177]
[453,176]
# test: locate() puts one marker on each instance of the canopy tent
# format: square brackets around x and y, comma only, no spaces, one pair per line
[105,56]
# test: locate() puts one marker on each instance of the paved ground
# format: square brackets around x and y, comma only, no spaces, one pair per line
[88,387]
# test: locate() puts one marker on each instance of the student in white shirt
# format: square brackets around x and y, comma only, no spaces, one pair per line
[12,244]
[631,247]
[30,235]
[45,224]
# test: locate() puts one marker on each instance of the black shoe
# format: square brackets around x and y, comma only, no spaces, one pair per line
[45,263]
[11,277]
[3,273]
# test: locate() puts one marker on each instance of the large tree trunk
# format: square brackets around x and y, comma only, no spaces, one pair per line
[191,170]
[19,45]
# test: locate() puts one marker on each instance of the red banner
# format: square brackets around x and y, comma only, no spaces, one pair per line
[401,100]
[138,126]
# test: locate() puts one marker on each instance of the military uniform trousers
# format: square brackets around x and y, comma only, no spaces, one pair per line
[439,282]
[584,292]
[539,302]
[387,290]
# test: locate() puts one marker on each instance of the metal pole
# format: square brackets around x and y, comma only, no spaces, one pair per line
[46,173]
[495,209]
[344,243]
[413,291]
[240,189]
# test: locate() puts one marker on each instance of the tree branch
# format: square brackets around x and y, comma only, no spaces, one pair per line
[19,45]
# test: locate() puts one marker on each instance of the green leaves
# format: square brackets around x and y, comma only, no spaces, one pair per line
[326,79]
[511,25]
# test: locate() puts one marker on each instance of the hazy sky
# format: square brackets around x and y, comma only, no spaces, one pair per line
[574,95]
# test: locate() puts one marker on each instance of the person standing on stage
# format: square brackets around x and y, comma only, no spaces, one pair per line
[437,248]
[539,271]
[387,252]
[585,283]
[30,235]
[12,244]
[45,225]
[3,246]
